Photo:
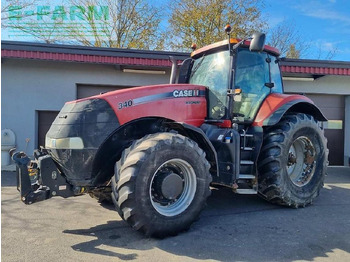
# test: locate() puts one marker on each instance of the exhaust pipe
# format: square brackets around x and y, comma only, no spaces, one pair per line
[173,69]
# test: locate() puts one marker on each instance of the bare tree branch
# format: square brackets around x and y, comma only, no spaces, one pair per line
[109,23]
[8,6]
[292,44]
[288,40]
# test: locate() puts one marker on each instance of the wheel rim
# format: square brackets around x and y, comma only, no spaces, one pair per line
[173,187]
[301,163]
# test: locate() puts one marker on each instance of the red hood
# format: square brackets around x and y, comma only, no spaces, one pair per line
[177,102]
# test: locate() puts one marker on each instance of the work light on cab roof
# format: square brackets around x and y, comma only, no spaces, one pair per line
[228,29]
[194,46]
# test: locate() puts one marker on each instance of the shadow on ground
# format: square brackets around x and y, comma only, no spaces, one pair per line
[232,227]
[236,227]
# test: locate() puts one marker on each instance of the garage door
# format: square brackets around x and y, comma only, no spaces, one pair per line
[333,107]
[91,90]
[45,119]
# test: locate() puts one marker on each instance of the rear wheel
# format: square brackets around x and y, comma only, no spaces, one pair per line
[293,161]
[161,184]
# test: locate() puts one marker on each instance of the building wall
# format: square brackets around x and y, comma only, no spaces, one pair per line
[332,85]
[339,85]
[347,131]
[31,85]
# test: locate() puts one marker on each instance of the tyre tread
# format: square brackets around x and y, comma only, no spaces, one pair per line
[127,168]
[269,165]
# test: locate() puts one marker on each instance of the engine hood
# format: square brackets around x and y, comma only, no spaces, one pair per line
[178,102]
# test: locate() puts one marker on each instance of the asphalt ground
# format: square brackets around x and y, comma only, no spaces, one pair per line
[231,228]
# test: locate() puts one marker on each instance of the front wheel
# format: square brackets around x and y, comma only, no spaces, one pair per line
[161,184]
[293,161]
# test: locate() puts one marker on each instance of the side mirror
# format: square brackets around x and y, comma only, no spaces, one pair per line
[184,72]
[258,42]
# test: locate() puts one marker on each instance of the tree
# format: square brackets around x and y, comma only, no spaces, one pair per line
[325,50]
[292,44]
[203,21]
[130,24]
[287,39]
[29,19]
[101,23]
[8,6]
[293,52]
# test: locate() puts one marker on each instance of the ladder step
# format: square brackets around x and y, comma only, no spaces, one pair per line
[246,162]
[244,176]
[247,135]
[247,148]
[246,191]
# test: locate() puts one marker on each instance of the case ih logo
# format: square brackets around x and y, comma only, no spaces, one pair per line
[186,93]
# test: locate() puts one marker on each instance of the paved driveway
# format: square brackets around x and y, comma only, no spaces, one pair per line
[231,228]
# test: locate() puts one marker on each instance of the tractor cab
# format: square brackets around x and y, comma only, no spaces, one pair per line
[238,75]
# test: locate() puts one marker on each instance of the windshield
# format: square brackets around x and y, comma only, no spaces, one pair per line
[212,71]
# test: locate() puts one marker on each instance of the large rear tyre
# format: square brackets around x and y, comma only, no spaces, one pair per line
[161,184]
[293,161]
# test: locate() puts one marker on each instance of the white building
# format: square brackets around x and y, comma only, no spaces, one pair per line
[37,79]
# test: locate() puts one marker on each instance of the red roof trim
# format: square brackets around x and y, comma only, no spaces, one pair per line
[84,58]
[315,70]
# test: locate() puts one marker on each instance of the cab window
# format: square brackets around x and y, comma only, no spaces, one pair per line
[251,74]
[212,71]
[275,76]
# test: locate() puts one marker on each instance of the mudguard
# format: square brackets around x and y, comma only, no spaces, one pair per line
[276,105]
[200,138]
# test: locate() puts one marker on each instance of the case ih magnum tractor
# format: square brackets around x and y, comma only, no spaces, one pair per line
[156,150]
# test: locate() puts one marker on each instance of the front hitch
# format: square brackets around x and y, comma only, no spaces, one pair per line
[40,179]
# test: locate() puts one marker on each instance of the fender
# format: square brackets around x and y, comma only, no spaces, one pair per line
[276,105]
[197,135]
[112,148]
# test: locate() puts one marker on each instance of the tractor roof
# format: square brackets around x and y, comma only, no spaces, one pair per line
[222,44]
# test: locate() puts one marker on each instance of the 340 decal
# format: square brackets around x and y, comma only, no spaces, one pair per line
[125,104]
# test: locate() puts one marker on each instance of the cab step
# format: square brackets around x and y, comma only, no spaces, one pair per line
[246,135]
[246,191]
[246,162]
[246,176]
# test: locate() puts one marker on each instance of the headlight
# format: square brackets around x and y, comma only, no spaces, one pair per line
[64,143]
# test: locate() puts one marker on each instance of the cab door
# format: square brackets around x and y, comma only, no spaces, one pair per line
[251,75]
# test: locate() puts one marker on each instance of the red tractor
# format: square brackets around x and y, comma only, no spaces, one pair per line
[156,150]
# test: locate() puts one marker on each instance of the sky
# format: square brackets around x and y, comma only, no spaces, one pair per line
[323,25]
